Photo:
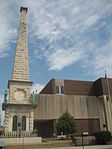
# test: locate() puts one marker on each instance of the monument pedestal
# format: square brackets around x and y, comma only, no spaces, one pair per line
[22,141]
[21,111]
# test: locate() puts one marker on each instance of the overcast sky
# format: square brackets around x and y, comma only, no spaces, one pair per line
[67,39]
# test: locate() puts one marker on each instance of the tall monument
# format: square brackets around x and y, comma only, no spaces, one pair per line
[19,109]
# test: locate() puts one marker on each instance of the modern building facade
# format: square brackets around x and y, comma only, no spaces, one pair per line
[88,102]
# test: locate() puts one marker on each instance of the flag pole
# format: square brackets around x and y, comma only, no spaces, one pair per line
[108,88]
[105,115]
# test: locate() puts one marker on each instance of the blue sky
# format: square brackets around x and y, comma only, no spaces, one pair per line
[67,39]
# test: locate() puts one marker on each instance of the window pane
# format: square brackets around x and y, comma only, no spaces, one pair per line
[57,89]
[23,123]
[62,89]
[14,123]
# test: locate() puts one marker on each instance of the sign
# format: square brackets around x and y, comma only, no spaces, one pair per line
[85,133]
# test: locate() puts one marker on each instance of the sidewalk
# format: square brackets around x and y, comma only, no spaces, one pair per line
[91,147]
[85,147]
[73,147]
[57,144]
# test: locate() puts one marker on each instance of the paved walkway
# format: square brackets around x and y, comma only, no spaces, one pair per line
[73,147]
[85,147]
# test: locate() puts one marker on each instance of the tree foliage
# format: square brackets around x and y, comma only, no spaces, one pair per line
[66,124]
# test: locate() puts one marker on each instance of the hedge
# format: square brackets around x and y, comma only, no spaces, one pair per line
[102,137]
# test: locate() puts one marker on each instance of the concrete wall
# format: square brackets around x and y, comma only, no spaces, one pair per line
[92,110]
[87,111]
[53,106]
[108,112]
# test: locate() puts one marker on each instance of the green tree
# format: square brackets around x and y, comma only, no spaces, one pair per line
[66,124]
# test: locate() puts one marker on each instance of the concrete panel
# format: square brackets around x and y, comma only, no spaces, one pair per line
[92,106]
[53,106]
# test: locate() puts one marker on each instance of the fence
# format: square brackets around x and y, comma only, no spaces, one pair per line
[16,134]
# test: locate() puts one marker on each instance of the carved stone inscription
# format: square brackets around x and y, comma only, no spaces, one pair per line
[20,94]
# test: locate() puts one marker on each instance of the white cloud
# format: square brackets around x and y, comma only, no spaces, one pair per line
[36,88]
[63,32]
[62,58]
[65,25]
[102,60]
[7,32]
[91,20]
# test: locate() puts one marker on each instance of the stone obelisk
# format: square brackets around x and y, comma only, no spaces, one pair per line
[19,110]
[21,67]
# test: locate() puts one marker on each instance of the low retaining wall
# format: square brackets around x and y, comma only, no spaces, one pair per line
[86,140]
[20,141]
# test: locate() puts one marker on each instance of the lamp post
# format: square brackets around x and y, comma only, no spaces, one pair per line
[83,133]
[21,135]
[82,139]
[23,141]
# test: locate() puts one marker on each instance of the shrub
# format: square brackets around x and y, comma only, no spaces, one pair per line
[102,137]
[66,124]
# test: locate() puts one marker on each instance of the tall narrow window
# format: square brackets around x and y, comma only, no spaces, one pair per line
[57,89]
[23,123]
[15,120]
[62,89]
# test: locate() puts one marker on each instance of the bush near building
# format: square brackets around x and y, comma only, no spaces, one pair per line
[66,124]
[102,137]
